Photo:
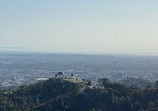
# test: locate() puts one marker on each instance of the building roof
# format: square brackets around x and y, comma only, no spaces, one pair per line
[60,73]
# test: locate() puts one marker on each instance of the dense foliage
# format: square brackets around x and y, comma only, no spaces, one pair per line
[137,82]
[61,95]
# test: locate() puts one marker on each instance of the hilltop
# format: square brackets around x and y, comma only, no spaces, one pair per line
[62,95]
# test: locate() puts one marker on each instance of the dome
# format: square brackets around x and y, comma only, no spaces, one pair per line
[60,73]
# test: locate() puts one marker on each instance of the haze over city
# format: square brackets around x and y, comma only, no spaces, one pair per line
[78,55]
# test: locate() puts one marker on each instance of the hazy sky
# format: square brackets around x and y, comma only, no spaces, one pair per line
[79,26]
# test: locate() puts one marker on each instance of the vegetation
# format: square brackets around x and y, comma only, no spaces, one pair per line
[137,82]
[60,95]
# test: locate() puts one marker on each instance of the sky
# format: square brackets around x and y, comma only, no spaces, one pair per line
[79,26]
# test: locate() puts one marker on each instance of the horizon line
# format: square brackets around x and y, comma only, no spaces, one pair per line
[83,53]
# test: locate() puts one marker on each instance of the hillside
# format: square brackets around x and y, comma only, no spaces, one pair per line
[61,95]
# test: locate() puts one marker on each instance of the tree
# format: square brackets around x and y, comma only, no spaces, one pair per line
[156,85]
[151,104]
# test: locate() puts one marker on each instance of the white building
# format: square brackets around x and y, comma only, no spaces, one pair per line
[71,77]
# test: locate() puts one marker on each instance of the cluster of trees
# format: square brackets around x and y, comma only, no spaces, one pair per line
[137,82]
[60,95]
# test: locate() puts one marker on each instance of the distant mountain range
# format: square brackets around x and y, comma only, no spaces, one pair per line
[13,49]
